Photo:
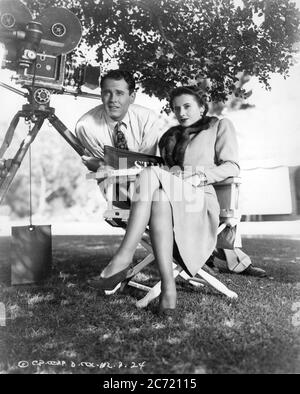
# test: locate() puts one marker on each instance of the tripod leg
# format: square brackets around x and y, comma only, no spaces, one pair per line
[66,134]
[17,160]
[10,133]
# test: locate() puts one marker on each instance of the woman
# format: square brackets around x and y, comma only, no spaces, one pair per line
[179,202]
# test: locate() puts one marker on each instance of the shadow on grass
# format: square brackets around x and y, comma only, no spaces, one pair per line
[65,322]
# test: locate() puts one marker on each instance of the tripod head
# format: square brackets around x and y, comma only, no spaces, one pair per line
[36,111]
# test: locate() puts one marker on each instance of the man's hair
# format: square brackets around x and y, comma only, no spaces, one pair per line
[192,91]
[118,75]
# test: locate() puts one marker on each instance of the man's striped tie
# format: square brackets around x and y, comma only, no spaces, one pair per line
[119,137]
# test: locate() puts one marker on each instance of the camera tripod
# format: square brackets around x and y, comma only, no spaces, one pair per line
[37,110]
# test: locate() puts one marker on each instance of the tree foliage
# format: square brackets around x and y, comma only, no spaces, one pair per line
[172,42]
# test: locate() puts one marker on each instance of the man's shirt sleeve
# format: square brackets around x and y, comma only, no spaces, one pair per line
[85,132]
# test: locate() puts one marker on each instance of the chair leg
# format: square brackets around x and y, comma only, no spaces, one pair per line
[139,286]
[221,228]
[217,284]
[207,278]
[137,268]
[155,290]
[146,246]
[142,264]
[110,292]
[193,281]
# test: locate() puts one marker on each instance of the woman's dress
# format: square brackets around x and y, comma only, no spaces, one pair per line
[196,210]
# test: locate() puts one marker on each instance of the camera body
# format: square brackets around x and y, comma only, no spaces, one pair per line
[37,49]
[53,72]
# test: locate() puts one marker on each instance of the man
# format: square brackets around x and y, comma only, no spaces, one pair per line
[117,122]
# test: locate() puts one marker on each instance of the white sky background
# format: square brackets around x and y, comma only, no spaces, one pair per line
[269,134]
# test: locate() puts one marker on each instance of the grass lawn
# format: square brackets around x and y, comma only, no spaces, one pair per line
[66,322]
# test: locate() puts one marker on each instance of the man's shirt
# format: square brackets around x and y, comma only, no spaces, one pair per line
[142,129]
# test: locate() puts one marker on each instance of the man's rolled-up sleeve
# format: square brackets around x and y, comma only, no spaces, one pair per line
[87,140]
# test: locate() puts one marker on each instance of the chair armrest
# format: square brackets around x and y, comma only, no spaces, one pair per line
[100,174]
[127,172]
[229,181]
[228,196]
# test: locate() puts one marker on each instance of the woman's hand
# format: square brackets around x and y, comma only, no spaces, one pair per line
[176,170]
[196,178]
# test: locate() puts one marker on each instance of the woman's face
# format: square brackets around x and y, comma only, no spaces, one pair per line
[187,110]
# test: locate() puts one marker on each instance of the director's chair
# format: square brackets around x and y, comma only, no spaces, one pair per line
[228,196]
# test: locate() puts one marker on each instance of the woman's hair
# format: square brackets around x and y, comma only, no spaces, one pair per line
[193,91]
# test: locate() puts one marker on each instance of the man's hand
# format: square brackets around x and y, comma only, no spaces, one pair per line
[105,171]
[95,164]
[92,163]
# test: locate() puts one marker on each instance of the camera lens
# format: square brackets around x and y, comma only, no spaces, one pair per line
[33,35]
[32,40]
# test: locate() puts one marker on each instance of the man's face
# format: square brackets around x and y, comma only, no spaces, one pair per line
[116,98]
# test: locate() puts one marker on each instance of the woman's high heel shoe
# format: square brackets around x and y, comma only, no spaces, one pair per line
[111,284]
[166,312]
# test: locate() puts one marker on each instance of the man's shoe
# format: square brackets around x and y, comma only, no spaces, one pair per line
[254,271]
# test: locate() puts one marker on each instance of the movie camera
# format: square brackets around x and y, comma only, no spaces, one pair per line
[37,49]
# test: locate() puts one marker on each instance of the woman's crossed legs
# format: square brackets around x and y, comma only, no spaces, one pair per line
[150,205]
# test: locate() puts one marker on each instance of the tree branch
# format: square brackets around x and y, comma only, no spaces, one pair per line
[162,33]
[169,42]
